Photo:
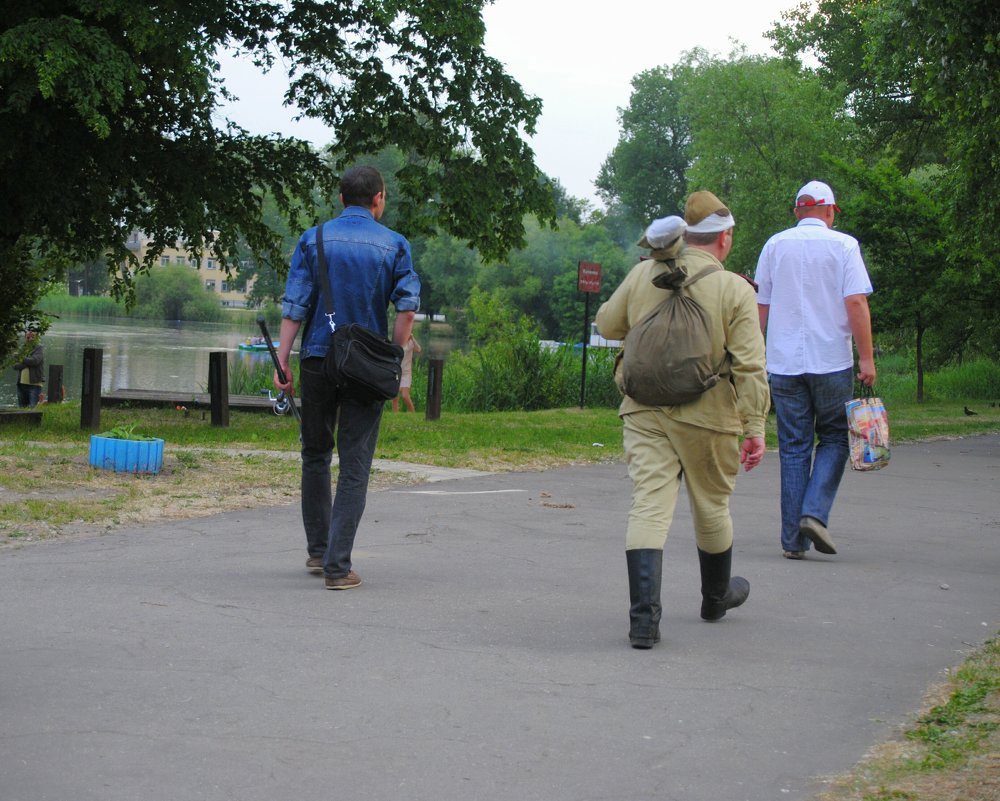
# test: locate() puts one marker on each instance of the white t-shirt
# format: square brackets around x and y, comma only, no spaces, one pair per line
[803,275]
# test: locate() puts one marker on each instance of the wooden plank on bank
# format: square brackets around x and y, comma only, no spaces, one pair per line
[189,400]
[28,416]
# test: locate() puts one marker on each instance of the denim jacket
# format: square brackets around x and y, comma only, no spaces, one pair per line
[370,267]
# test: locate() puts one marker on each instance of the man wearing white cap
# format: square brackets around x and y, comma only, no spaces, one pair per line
[705,440]
[813,299]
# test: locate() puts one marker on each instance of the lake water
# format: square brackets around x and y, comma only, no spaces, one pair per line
[143,354]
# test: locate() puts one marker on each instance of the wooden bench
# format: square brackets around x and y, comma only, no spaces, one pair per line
[190,400]
[29,416]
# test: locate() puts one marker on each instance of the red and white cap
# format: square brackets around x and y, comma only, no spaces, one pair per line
[815,193]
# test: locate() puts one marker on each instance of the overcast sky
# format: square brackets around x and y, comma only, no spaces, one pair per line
[580,62]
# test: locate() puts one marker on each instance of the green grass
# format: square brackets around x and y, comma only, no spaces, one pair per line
[506,438]
[498,439]
[949,732]
[90,306]
[973,382]
[457,439]
[252,378]
[102,307]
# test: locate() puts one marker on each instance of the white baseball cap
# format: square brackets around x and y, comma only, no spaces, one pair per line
[815,193]
[662,232]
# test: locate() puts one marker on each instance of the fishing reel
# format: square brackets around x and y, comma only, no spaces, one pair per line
[281,405]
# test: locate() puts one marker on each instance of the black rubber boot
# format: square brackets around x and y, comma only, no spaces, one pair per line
[719,592]
[645,569]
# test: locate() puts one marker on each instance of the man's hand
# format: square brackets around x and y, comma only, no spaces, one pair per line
[752,452]
[289,385]
[860,320]
[866,371]
[286,336]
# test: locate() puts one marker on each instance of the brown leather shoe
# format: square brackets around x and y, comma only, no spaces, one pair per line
[348,582]
[314,564]
[810,527]
[794,554]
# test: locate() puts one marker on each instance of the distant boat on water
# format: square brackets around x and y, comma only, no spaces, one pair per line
[255,344]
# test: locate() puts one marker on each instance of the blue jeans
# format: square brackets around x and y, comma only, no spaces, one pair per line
[810,411]
[331,523]
[28,395]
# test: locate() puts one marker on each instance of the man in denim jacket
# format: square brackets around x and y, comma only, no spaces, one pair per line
[370,267]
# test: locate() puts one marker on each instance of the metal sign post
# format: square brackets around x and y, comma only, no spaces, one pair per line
[589,282]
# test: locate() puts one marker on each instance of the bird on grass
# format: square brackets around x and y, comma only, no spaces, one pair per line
[969,412]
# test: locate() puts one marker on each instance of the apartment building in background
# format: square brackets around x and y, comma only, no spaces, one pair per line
[232,292]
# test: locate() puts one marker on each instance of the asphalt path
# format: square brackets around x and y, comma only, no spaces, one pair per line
[486,654]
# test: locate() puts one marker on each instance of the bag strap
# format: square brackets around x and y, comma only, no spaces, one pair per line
[864,391]
[670,280]
[712,268]
[324,279]
[699,275]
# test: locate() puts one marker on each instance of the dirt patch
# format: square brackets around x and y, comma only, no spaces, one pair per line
[53,493]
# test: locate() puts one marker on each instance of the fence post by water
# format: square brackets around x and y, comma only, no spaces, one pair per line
[218,388]
[435,369]
[55,388]
[90,403]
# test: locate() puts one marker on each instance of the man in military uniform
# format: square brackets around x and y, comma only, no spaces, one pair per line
[705,440]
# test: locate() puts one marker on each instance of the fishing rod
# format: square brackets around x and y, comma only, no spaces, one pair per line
[284,401]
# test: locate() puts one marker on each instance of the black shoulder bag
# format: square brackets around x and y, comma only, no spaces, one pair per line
[360,361]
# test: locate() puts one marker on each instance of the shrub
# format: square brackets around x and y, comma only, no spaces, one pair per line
[520,375]
[254,377]
[975,380]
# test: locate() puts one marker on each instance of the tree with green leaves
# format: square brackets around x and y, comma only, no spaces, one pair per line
[647,170]
[760,128]
[573,208]
[90,278]
[447,268]
[920,78]
[874,82]
[749,128]
[591,243]
[173,293]
[619,224]
[108,126]
[540,279]
[949,51]
[901,227]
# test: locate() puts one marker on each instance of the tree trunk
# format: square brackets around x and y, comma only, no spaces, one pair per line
[920,361]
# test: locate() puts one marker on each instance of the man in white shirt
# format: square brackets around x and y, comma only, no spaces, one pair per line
[813,299]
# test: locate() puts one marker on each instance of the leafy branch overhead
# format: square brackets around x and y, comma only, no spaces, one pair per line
[111,122]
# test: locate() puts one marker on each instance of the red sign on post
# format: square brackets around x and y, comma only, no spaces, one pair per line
[589,276]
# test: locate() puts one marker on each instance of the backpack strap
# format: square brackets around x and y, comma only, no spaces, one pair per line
[325,291]
[670,279]
[712,268]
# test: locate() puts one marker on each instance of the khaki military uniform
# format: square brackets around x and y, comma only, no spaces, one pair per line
[699,440]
